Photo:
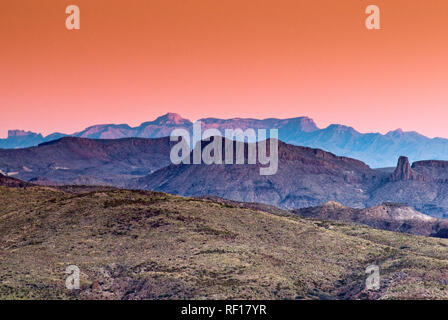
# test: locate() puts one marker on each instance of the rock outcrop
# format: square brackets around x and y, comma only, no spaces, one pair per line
[375,149]
[386,216]
[437,170]
[404,172]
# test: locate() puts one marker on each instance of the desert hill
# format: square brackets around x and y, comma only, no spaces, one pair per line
[386,216]
[305,177]
[149,245]
[71,160]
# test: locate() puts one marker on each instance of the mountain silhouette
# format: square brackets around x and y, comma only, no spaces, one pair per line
[375,149]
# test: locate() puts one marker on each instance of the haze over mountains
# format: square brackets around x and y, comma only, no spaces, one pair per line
[375,149]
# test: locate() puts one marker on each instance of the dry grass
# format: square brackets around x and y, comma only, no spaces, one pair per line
[147,245]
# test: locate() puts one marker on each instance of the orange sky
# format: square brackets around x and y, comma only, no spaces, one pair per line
[133,60]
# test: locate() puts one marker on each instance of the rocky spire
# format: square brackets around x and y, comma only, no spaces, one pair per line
[403,171]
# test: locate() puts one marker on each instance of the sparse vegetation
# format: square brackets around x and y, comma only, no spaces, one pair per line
[148,245]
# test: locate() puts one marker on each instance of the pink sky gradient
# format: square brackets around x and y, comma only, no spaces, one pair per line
[135,60]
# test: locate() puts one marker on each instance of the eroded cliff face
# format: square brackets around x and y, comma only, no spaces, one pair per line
[435,169]
[305,177]
[310,177]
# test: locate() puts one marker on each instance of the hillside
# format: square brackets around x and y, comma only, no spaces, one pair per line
[147,245]
[308,177]
[305,177]
[72,160]
[12,182]
[386,216]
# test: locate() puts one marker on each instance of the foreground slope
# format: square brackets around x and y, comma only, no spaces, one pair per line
[146,245]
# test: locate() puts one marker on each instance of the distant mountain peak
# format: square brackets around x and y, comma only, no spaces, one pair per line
[341,128]
[400,133]
[22,133]
[305,123]
[333,205]
[170,119]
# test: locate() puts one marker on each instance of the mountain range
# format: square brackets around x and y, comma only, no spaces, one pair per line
[139,244]
[71,160]
[310,177]
[306,177]
[375,149]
